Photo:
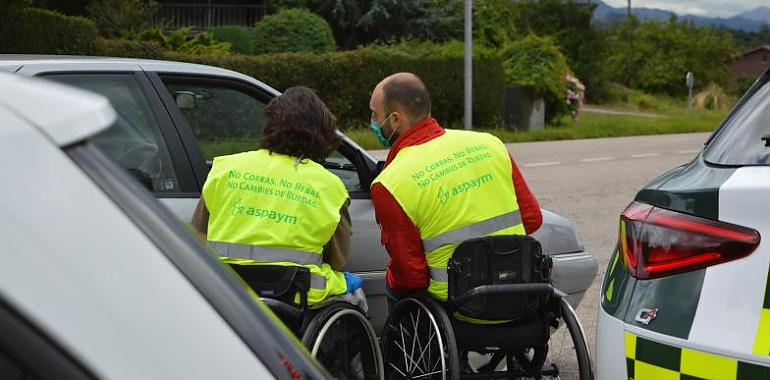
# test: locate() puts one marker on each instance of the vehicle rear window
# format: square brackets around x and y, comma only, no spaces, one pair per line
[745,138]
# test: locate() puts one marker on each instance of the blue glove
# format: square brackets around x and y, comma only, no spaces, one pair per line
[354,282]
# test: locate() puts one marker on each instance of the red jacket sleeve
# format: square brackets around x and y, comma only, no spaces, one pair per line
[407,268]
[531,215]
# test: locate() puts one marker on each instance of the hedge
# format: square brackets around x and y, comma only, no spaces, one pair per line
[344,80]
[40,31]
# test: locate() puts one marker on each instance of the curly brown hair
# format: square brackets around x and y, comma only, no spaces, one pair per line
[298,124]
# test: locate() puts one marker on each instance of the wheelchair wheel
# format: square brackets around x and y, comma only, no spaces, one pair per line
[344,342]
[418,342]
[585,372]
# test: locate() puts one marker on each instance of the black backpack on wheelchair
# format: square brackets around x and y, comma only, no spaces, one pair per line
[500,306]
[336,333]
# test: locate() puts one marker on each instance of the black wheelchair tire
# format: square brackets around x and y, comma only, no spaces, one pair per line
[315,330]
[438,319]
[585,371]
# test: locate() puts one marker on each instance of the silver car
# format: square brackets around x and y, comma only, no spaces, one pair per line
[173,118]
[100,281]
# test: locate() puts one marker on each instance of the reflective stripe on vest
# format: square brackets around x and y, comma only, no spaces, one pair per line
[266,254]
[472,231]
[317,282]
[439,274]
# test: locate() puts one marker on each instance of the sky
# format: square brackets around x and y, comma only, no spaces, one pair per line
[711,8]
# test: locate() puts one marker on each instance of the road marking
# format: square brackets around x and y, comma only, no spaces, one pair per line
[594,159]
[539,164]
[643,155]
[687,151]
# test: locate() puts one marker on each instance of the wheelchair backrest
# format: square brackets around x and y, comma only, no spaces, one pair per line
[277,282]
[496,260]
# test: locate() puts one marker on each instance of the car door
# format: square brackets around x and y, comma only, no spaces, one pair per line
[217,115]
[143,139]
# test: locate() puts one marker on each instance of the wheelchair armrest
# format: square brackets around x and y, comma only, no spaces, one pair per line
[507,289]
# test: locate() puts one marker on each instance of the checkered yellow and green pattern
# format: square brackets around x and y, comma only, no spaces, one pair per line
[650,360]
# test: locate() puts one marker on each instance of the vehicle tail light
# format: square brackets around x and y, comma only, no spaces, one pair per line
[656,242]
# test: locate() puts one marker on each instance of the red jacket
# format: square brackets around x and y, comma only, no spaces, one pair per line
[408,268]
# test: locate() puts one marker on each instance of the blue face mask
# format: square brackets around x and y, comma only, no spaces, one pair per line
[377,129]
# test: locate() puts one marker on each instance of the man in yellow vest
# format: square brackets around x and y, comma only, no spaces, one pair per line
[439,188]
[278,205]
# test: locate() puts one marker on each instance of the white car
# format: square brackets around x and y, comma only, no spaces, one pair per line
[687,291]
[100,281]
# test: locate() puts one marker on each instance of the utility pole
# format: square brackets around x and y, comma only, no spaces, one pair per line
[468,83]
[629,8]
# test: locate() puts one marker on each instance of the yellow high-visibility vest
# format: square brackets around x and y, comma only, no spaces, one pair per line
[269,208]
[455,187]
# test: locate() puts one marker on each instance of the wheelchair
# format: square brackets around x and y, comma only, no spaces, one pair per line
[337,333]
[500,306]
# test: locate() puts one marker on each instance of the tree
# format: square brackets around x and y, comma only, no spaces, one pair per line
[655,56]
[569,23]
[122,18]
[358,22]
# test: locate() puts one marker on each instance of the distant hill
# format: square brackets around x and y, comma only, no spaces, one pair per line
[749,21]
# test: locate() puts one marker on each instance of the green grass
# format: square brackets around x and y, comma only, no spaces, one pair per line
[591,125]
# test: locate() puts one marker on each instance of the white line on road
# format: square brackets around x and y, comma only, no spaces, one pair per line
[539,164]
[594,159]
[643,155]
[687,151]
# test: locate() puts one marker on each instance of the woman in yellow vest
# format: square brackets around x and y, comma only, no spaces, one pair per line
[278,205]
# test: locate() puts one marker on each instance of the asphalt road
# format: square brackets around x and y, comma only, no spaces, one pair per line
[590,182]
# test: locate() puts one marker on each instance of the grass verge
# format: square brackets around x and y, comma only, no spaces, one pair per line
[591,125]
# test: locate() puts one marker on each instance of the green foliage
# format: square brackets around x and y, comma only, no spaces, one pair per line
[122,18]
[40,31]
[745,41]
[536,64]
[293,30]
[240,39]
[361,22]
[126,48]
[569,24]
[654,56]
[344,80]
[181,41]
[493,22]
[621,97]
[741,86]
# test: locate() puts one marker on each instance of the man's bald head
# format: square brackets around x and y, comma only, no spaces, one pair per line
[405,92]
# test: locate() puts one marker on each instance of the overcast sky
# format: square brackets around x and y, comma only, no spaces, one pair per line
[713,8]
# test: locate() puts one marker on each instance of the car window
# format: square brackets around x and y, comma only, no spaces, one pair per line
[745,138]
[224,120]
[135,140]
[227,118]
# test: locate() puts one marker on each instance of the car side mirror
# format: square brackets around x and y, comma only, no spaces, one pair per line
[185,99]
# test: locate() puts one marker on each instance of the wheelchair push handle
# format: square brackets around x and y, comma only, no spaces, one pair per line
[508,289]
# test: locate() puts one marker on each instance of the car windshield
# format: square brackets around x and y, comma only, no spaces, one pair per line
[745,138]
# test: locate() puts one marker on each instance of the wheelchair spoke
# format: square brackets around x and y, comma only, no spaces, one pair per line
[415,335]
[427,347]
[427,374]
[408,363]
[399,371]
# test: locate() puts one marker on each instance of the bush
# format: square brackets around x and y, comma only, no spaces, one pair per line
[40,31]
[122,18]
[536,64]
[126,48]
[712,98]
[345,80]
[293,30]
[240,39]
[180,41]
